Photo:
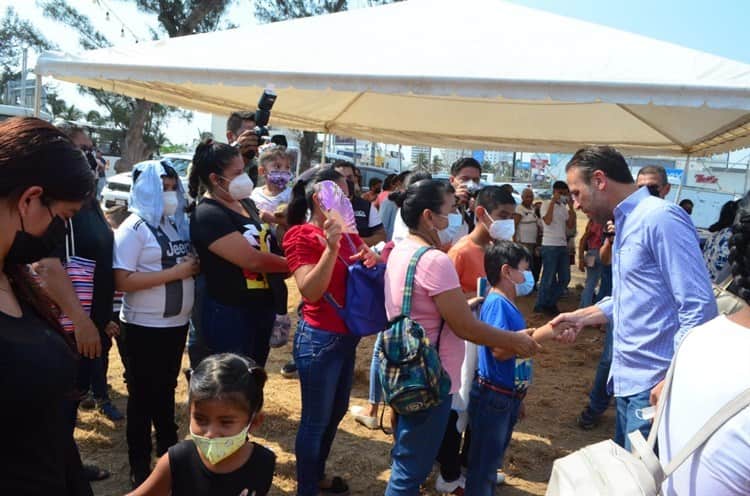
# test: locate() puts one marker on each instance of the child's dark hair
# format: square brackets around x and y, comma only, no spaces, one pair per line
[211,157]
[389,180]
[426,194]
[302,194]
[501,253]
[229,377]
[491,197]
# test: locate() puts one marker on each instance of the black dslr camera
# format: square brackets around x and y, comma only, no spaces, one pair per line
[263,113]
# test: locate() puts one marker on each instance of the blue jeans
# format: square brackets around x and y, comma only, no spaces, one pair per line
[600,397]
[555,276]
[325,361]
[492,417]
[376,390]
[605,288]
[593,276]
[239,329]
[627,421]
[417,441]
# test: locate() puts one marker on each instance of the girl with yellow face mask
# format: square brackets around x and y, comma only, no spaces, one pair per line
[226,397]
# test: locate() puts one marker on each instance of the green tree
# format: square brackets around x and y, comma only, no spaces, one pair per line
[281,10]
[422,163]
[15,35]
[71,113]
[55,104]
[142,120]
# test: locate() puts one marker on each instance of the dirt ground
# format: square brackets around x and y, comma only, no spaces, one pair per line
[562,379]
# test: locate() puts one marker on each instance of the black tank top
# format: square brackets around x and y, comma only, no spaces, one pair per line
[190,477]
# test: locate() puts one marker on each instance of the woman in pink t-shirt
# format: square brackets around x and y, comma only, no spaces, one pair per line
[440,306]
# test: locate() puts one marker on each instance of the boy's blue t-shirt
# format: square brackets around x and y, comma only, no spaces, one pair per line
[515,373]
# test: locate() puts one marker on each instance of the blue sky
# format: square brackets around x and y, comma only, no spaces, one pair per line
[721,27]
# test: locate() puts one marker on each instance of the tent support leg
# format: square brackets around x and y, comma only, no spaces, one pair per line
[323,149]
[684,180]
[38,96]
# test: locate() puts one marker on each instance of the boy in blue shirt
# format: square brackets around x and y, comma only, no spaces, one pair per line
[502,379]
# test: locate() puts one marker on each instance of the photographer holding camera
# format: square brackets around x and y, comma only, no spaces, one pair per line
[466,173]
[245,131]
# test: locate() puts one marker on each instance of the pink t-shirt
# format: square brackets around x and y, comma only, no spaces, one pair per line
[435,274]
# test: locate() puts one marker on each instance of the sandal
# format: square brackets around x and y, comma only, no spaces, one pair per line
[338,487]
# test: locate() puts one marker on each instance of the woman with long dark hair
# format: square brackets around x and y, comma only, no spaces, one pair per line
[440,306]
[318,251]
[716,250]
[37,361]
[238,254]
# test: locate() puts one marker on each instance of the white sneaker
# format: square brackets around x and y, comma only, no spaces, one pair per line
[500,478]
[454,487]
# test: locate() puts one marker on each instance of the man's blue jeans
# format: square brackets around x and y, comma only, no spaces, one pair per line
[325,361]
[627,421]
[417,442]
[600,396]
[493,415]
[555,276]
[593,276]
[605,288]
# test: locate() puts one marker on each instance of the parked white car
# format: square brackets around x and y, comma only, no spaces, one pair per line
[117,190]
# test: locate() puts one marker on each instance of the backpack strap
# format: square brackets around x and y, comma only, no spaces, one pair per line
[409,284]
[718,419]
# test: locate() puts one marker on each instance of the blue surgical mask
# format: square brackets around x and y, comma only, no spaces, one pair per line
[527,286]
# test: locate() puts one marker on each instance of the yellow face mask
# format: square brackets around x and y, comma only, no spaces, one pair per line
[218,448]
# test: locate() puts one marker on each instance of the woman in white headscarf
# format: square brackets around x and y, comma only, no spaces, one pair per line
[154,267]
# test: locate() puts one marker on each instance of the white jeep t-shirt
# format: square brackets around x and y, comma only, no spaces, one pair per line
[712,368]
[554,233]
[139,248]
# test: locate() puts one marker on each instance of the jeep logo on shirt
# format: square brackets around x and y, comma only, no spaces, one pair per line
[360,213]
[178,248]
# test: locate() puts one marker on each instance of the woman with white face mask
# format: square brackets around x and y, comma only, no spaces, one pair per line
[440,307]
[154,267]
[237,252]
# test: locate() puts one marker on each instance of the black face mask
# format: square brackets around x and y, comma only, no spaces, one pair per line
[27,248]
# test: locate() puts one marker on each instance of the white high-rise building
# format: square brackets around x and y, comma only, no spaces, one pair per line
[450,155]
[418,150]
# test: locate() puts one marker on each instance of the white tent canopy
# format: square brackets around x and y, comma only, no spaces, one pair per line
[469,74]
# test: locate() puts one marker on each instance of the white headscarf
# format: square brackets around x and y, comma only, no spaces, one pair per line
[146,196]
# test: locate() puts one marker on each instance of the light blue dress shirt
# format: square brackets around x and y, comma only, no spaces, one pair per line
[661,290]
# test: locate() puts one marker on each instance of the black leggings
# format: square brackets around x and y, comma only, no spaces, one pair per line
[154,356]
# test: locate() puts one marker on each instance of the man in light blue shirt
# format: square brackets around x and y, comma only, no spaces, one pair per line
[661,287]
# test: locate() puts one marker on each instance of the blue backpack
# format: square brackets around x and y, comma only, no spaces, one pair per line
[364,310]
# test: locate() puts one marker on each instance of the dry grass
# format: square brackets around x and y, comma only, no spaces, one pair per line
[562,379]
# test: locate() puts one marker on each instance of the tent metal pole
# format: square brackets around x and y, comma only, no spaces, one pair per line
[684,179]
[38,96]
[323,149]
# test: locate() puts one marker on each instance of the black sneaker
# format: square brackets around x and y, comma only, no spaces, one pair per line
[289,370]
[588,420]
[92,473]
